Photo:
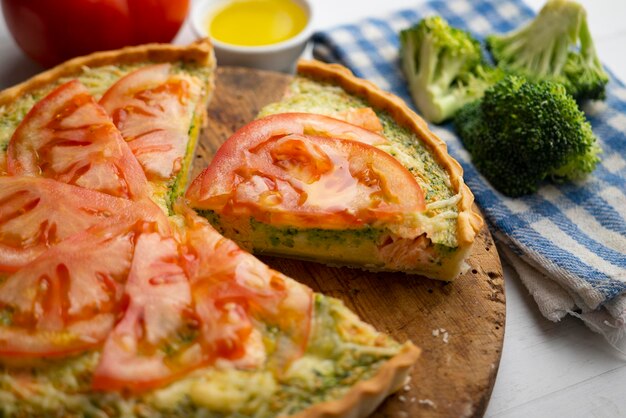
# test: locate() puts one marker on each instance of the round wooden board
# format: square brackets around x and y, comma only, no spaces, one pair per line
[451,379]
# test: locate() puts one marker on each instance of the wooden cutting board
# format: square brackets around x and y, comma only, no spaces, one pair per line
[459,326]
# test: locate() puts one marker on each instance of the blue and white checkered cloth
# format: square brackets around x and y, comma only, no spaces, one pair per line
[568,241]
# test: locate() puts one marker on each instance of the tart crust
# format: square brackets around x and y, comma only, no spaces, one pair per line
[200,52]
[469,221]
[364,397]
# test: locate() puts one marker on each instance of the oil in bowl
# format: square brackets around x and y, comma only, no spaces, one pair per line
[263,34]
[256,22]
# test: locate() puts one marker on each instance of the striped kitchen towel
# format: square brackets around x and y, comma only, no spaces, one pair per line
[568,241]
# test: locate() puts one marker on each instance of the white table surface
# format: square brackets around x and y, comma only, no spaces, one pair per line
[547,369]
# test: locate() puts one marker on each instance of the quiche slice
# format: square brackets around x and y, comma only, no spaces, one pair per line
[342,173]
[152,97]
[142,315]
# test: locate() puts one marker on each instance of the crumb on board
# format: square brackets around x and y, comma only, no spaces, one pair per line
[443,332]
[406,388]
[427,402]
[402,398]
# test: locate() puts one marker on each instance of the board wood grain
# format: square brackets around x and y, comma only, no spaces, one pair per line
[459,325]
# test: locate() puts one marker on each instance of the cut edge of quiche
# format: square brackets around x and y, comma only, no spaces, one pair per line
[446,226]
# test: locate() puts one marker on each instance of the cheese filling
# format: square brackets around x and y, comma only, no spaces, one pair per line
[341,351]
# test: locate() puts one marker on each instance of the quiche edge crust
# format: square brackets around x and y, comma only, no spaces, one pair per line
[199,52]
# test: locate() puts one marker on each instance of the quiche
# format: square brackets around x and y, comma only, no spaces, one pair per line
[342,173]
[118,300]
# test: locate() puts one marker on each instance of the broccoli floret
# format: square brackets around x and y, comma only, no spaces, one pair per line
[555,46]
[523,132]
[444,67]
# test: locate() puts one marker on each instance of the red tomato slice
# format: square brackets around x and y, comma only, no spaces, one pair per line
[65,300]
[37,213]
[365,117]
[154,110]
[229,285]
[223,313]
[67,136]
[286,178]
[155,341]
[193,303]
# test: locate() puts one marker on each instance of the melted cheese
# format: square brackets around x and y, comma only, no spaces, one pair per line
[233,390]
[305,369]
[440,204]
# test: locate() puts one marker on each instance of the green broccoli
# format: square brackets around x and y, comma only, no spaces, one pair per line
[555,46]
[444,67]
[523,132]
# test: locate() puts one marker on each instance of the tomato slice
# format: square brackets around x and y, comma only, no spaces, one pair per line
[37,213]
[229,285]
[154,110]
[67,136]
[66,299]
[274,170]
[192,301]
[155,341]
[365,117]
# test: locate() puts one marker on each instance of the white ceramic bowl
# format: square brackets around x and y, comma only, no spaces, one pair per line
[276,57]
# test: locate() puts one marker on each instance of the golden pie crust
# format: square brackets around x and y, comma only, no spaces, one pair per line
[200,52]
[469,220]
[364,397]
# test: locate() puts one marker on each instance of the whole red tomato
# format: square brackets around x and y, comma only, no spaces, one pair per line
[51,31]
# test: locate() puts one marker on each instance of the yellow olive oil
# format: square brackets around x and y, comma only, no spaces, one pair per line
[256,22]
